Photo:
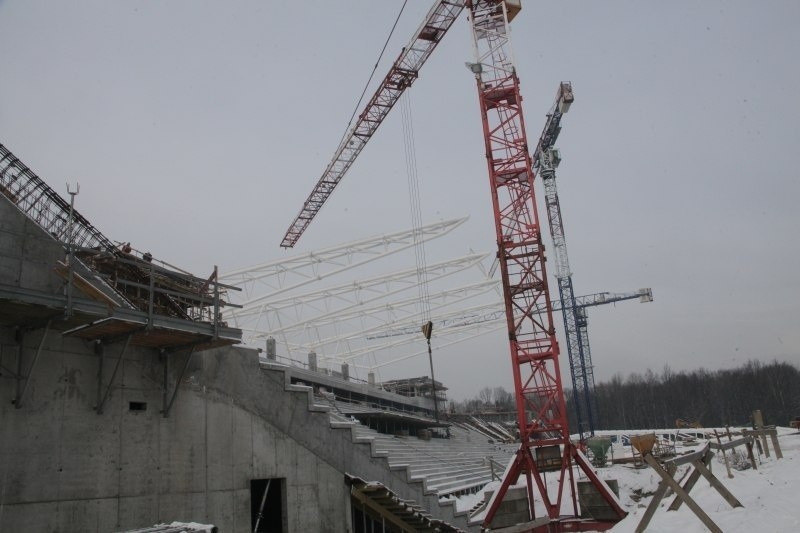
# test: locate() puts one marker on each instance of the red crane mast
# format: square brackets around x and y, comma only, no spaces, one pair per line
[541,406]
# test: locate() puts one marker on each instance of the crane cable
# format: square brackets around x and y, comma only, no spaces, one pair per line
[419,241]
[416,209]
[372,74]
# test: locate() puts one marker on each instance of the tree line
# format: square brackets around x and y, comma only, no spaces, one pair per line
[488,399]
[653,401]
[709,398]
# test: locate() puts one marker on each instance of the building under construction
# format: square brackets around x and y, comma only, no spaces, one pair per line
[128,403]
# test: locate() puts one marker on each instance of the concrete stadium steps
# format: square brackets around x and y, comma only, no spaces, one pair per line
[446,467]
[364,448]
[502,431]
[491,430]
[475,428]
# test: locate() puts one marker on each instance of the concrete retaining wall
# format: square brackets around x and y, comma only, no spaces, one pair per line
[65,468]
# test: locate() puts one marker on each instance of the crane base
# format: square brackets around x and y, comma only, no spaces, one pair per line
[558,525]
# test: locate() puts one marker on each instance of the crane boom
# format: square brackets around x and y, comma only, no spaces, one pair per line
[402,74]
[552,126]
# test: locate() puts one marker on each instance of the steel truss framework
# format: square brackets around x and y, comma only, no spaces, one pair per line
[314,320]
[46,207]
[365,317]
[469,323]
[361,298]
[403,311]
[282,276]
[402,74]
[541,408]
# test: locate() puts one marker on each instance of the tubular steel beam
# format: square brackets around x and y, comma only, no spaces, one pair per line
[99,350]
[19,337]
[102,401]
[168,405]
[21,390]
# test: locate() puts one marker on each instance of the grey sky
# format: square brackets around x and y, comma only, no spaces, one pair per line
[196,130]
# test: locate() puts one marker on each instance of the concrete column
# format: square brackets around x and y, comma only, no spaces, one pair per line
[371,379]
[271,352]
[312,361]
[345,371]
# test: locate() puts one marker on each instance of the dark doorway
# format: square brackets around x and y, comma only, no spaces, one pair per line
[272,510]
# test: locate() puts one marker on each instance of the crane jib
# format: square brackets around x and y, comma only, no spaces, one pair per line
[400,77]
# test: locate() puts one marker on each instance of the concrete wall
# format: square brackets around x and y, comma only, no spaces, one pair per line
[65,468]
[27,253]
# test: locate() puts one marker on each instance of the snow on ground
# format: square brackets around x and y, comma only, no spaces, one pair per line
[768,495]
[468,501]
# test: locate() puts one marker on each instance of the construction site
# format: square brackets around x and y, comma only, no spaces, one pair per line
[309,392]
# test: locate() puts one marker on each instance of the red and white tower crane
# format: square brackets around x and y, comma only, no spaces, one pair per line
[541,407]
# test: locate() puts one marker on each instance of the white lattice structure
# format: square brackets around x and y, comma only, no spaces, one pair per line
[266,281]
[341,321]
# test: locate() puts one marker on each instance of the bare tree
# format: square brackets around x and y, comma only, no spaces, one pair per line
[485,396]
[503,399]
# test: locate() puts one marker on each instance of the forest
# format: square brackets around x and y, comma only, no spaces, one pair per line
[652,401]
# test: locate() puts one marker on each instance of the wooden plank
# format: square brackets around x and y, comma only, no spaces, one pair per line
[732,444]
[688,485]
[381,510]
[724,456]
[683,494]
[84,285]
[749,446]
[762,434]
[659,494]
[717,484]
[774,437]
[758,421]
[689,457]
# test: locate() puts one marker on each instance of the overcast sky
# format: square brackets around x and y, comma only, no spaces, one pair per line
[197,129]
